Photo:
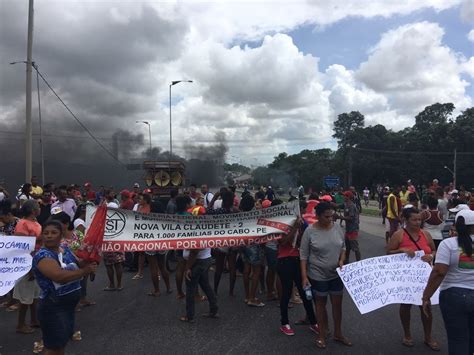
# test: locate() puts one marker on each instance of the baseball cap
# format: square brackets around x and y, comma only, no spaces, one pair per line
[459,207]
[87,184]
[348,194]
[266,203]
[125,193]
[326,198]
[454,192]
[147,191]
[136,185]
[468,217]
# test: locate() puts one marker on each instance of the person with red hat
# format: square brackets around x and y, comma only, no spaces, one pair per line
[89,194]
[351,217]
[126,201]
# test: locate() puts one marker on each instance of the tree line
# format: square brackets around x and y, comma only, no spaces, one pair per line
[370,155]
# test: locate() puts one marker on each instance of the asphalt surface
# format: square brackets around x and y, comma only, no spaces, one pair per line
[130,322]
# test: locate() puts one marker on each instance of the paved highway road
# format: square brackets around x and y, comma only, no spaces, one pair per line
[130,322]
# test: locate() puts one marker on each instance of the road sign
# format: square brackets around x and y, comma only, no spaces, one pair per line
[331,181]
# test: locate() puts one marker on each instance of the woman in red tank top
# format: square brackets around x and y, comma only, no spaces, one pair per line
[409,240]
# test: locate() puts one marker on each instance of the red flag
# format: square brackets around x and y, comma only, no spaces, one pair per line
[91,247]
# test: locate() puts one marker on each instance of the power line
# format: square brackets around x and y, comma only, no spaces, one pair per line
[410,152]
[78,121]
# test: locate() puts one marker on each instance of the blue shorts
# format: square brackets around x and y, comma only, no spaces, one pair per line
[323,288]
[271,256]
[253,254]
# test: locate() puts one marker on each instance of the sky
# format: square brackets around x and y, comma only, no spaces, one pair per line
[268,76]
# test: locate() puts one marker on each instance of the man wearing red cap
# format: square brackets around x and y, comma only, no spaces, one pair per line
[126,202]
[351,217]
[89,194]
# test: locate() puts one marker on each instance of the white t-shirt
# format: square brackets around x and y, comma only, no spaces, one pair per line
[217,204]
[79,222]
[448,254]
[2,196]
[443,208]
[207,199]
[366,193]
[202,254]
[112,205]
[135,207]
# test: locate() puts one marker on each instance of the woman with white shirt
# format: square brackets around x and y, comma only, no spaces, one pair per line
[454,274]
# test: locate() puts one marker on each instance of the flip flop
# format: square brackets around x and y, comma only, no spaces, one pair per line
[433,345]
[137,277]
[154,294]
[250,304]
[119,288]
[180,296]
[320,344]
[25,330]
[408,343]
[343,341]
[186,319]
[211,315]
[110,288]
[13,308]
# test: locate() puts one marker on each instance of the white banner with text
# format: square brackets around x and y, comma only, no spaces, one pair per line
[376,282]
[15,260]
[133,231]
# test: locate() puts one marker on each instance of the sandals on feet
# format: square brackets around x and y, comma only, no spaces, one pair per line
[433,345]
[211,315]
[408,342]
[252,304]
[186,319]
[320,344]
[154,294]
[110,288]
[25,330]
[343,341]
[137,277]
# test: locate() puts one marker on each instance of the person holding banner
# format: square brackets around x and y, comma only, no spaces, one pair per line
[26,289]
[322,251]
[59,278]
[409,240]
[454,274]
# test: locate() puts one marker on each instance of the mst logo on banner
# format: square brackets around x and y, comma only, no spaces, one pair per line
[133,231]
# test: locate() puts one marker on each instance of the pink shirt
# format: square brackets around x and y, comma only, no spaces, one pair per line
[28,228]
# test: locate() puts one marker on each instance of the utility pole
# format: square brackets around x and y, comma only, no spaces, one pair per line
[29,128]
[454,170]
[43,179]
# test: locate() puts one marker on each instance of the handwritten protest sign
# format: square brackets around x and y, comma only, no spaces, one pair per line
[376,282]
[133,231]
[15,260]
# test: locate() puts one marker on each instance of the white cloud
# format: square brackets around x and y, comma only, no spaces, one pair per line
[467,11]
[412,67]
[470,36]
[114,64]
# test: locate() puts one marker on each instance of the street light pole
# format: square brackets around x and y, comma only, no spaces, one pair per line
[29,127]
[174,82]
[149,131]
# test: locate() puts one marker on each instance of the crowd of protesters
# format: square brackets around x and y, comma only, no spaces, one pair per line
[298,268]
